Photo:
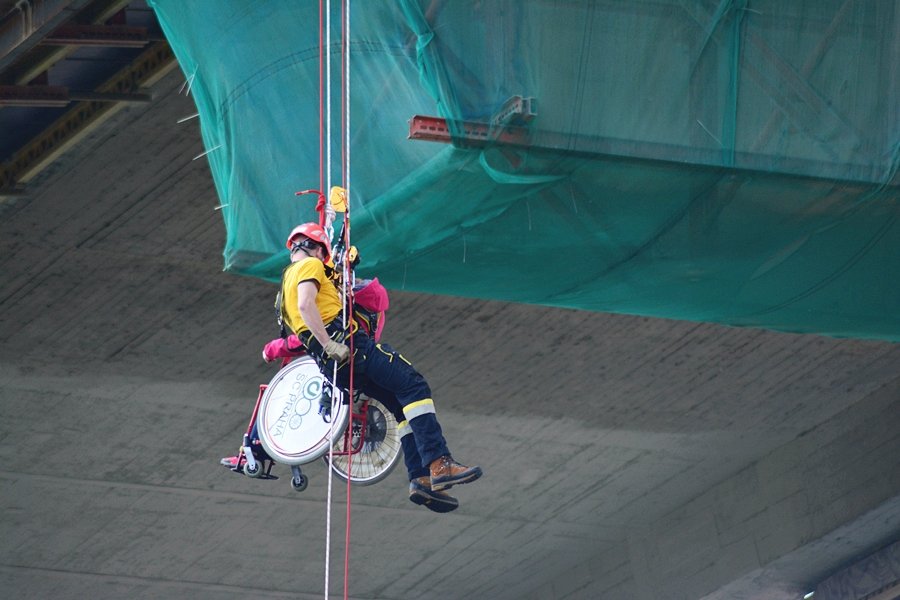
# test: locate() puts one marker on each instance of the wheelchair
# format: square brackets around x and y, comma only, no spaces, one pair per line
[286,427]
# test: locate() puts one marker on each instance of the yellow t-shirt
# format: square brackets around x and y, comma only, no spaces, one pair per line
[327,300]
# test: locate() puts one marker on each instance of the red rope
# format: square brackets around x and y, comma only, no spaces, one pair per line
[321,96]
[349,290]
[344,149]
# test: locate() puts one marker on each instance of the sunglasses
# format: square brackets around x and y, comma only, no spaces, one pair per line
[306,244]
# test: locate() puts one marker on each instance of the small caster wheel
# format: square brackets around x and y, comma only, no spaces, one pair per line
[255,471]
[299,483]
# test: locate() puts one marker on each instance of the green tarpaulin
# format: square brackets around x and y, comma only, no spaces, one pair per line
[732,162]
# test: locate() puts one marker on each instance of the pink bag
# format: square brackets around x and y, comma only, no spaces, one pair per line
[283,348]
[370,295]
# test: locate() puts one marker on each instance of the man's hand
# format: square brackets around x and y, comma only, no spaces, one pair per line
[337,351]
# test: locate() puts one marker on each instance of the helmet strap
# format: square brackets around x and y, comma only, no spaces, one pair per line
[306,245]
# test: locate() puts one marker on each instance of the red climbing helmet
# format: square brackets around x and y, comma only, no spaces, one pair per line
[313,231]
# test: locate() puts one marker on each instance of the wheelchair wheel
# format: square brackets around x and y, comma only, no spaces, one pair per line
[380,449]
[253,472]
[291,430]
[299,483]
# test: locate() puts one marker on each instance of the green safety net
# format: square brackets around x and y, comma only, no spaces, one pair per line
[721,161]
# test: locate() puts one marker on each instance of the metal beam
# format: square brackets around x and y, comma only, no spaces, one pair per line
[129,97]
[155,62]
[50,96]
[28,22]
[472,134]
[466,134]
[55,96]
[506,127]
[110,36]
[24,62]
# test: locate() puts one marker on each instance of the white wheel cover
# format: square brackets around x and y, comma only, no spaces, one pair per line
[290,427]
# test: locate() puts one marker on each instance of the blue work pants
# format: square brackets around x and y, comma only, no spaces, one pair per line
[382,373]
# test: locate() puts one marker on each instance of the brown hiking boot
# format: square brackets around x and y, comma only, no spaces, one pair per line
[446,472]
[420,492]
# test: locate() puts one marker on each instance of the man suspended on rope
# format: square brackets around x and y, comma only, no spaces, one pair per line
[311,309]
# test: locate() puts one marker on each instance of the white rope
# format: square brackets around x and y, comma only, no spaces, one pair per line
[330,215]
[334,389]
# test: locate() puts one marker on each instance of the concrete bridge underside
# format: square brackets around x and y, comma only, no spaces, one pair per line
[624,457]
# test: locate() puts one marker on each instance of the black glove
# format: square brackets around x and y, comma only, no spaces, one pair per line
[325,403]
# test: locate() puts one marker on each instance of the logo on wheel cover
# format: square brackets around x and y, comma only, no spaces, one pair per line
[304,392]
